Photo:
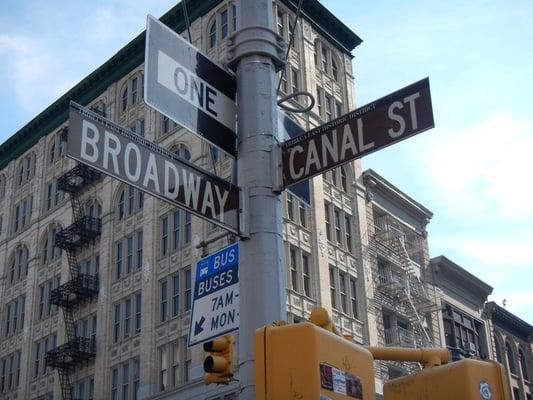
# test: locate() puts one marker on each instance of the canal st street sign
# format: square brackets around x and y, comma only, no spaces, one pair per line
[215,309]
[115,151]
[188,87]
[379,124]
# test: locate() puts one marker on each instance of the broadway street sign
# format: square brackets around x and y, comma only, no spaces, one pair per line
[215,309]
[188,87]
[115,151]
[369,128]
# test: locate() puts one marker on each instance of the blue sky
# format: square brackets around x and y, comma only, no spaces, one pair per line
[473,170]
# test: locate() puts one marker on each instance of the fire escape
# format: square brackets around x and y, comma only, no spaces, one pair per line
[400,286]
[81,288]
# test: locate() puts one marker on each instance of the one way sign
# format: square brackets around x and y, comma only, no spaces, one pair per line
[215,309]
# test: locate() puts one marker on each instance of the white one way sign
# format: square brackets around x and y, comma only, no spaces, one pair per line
[215,310]
[188,87]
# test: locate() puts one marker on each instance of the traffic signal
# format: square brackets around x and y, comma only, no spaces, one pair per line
[305,361]
[461,380]
[218,366]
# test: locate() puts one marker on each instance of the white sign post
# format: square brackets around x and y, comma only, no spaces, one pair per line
[215,309]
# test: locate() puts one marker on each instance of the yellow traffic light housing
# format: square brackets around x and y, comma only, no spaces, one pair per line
[218,366]
[461,380]
[305,361]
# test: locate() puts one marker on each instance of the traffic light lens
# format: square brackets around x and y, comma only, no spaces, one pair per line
[209,364]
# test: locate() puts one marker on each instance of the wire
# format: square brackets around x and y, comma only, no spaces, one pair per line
[291,40]
[186,15]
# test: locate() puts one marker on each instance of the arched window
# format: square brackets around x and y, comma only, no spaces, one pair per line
[93,208]
[26,169]
[334,69]
[2,186]
[49,251]
[124,98]
[510,358]
[181,150]
[344,179]
[224,28]
[523,365]
[18,264]
[129,201]
[213,34]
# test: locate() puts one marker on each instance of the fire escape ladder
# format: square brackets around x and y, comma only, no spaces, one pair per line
[417,287]
[64,381]
[81,287]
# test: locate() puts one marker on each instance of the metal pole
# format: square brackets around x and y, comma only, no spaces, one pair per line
[256,52]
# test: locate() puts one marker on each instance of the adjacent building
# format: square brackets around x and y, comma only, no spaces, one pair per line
[512,342]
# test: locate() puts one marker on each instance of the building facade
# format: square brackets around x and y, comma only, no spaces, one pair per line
[462,296]
[512,341]
[96,283]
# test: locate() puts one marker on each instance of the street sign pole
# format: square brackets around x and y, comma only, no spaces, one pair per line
[256,51]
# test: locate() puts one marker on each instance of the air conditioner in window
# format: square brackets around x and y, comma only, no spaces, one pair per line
[470,347]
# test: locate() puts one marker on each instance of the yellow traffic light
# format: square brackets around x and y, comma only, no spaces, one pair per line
[304,361]
[218,366]
[461,380]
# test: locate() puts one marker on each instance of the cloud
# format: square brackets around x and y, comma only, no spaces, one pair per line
[483,169]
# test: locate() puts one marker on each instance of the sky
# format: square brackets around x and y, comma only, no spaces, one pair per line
[473,170]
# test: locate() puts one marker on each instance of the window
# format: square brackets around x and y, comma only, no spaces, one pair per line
[134,91]
[14,316]
[342,291]
[294,80]
[334,69]
[56,148]
[10,371]
[128,254]
[290,207]
[125,381]
[49,251]
[138,312]
[175,228]
[461,330]
[327,208]
[23,211]
[45,307]
[293,270]
[302,211]
[116,326]
[188,289]
[174,362]
[224,23]
[2,186]
[165,124]
[329,107]
[136,378]
[135,202]
[54,196]
[124,102]
[353,298]
[213,34]
[306,275]
[319,101]
[510,358]
[175,294]
[523,365]
[26,169]
[343,287]
[348,232]
[163,310]
[332,288]
[41,347]
[127,317]
[163,368]
[18,264]
[338,230]
[344,181]
[280,22]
